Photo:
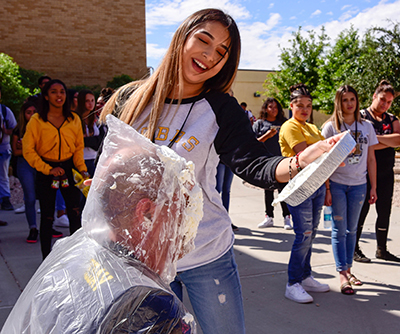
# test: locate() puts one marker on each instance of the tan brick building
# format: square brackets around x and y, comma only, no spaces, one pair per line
[80,42]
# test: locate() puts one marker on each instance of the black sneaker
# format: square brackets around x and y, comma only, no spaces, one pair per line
[33,234]
[3,223]
[56,234]
[385,255]
[235,228]
[360,257]
[6,204]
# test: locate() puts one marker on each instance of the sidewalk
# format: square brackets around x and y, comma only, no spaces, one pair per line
[262,256]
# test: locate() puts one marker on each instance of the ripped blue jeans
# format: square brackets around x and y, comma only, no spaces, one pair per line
[347,202]
[305,219]
[215,294]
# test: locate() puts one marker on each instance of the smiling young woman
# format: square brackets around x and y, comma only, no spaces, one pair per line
[185,105]
[53,145]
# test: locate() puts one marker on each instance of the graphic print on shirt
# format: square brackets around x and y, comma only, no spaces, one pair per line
[354,158]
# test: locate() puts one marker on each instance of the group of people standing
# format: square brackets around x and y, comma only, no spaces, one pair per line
[367,178]
[56,137]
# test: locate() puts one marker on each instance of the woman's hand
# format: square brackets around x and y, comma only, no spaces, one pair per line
[328,198]
[269,134]
[372,196]
[87,182]
[57,171]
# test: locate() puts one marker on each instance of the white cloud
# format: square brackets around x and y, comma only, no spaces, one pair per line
[260,52]
[329,13]
[154,51]
[173,12]
[293,18]
[317,12]
[271,5]
[345,6]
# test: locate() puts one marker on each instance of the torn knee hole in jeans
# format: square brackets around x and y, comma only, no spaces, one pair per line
[221,296]
[307,233]
[338,218]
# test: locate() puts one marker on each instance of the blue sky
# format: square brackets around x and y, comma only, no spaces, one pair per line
[266,24]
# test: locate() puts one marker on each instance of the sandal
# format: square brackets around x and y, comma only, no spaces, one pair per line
[354,280]
[346,289]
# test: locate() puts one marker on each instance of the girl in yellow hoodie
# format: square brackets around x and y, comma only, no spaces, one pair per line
[53,145]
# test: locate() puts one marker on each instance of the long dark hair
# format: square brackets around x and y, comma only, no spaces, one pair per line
[44,105]
[264,113]
[22,120]
[81,109]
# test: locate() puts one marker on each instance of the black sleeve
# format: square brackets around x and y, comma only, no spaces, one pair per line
[94,142]
[143,309]
[237,145]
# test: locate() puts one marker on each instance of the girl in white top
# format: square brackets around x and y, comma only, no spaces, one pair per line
[184,104]
[348,184]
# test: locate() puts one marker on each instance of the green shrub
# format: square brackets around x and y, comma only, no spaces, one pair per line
[119,81]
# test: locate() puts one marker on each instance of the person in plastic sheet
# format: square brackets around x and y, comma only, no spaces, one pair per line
[348,185]
[185,104]
[294,137]
[267,131]
[112,275]
[387,129]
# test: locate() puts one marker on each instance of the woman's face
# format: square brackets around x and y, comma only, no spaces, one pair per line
[29,112]
[382,102]
[272,110]
[349,103]
[204,54]
[89,102]
[301,108]
[56,95]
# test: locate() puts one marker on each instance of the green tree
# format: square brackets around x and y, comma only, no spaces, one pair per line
[119,81]
[380,59]
[29,79]
[341,66]
[12,93]
[299,63]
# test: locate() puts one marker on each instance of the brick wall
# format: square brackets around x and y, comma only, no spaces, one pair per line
[80,42]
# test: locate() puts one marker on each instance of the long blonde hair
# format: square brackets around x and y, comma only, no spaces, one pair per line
[129,101]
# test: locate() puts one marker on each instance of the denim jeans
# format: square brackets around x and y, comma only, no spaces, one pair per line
[27,177]
[215,294]
[347,202]
[224,182]
[305,219]
[5,157]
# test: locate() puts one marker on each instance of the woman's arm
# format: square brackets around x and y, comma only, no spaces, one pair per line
[300,147]
[390,140]
[371,166]
[269,134]
[16,148]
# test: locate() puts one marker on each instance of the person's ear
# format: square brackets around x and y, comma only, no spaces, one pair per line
[145,209]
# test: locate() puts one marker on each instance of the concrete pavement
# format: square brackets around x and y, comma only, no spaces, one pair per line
[262,256]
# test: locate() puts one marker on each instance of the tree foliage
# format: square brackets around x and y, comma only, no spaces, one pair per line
[299,63]
[360,62]
[12,92]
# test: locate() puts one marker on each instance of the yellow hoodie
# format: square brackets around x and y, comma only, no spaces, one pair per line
[43,140]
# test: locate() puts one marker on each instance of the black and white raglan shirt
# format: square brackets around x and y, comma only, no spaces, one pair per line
[216,129]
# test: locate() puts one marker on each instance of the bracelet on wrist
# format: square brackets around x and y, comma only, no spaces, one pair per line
[296,161]
[290,168]
[328,189]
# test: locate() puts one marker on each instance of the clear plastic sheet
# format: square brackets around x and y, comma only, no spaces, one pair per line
[305,183]
[112,275]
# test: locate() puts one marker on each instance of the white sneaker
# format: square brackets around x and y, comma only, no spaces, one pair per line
[61,221]
[286,223]
[38,210]
[267,222]
[20,209]
[297,293]
[310,284]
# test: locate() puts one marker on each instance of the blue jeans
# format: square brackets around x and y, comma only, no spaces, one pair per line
[215,294]
[27,177]
[224,182]
[305,219]
[347,202]
[5,157]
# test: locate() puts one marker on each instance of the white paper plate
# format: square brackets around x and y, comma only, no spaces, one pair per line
[305,183]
